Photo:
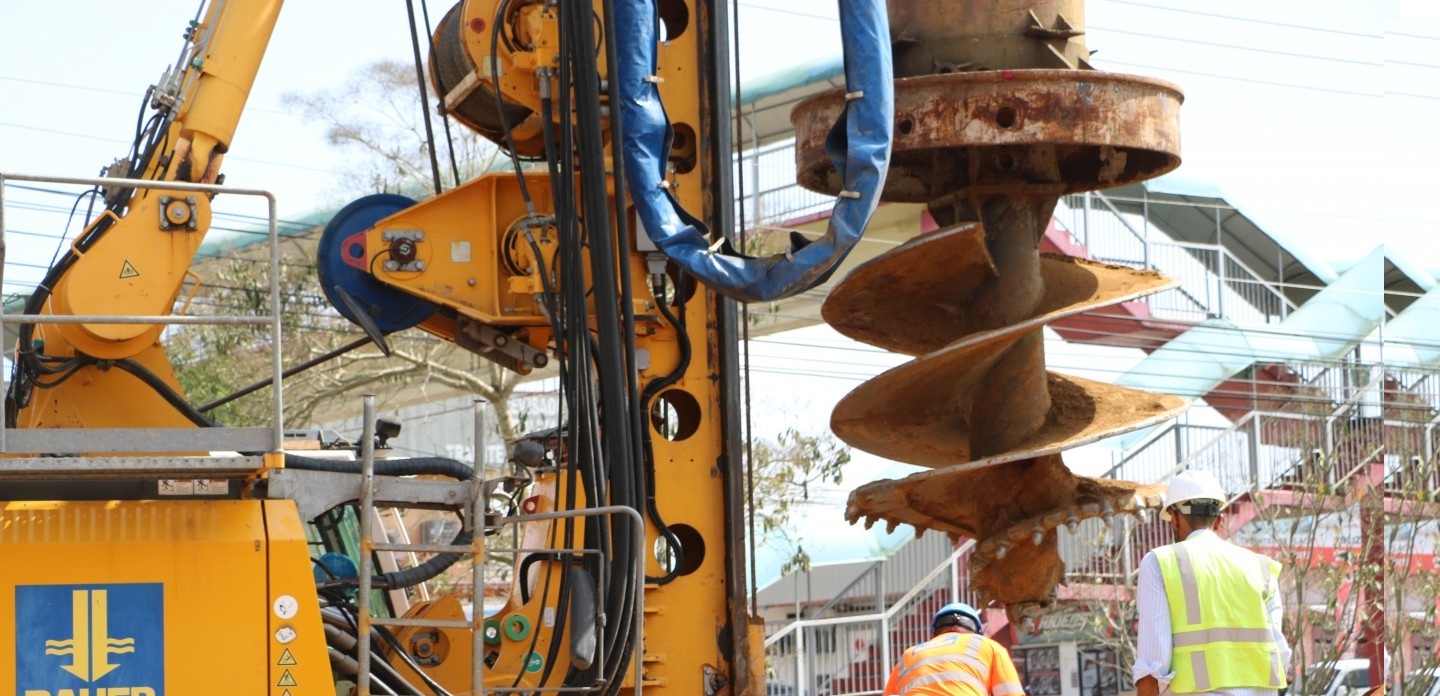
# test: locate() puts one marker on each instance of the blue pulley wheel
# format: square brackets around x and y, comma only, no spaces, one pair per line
[345,264]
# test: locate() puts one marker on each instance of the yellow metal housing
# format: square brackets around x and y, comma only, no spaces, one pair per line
[178,597]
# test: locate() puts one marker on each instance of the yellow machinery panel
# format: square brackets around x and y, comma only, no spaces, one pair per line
[147,598]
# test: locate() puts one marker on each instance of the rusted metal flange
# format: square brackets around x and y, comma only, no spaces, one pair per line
[1069,130]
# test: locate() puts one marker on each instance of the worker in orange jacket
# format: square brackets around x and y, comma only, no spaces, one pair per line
[958,661]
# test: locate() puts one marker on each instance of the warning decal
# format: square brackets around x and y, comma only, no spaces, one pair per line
[286,658]
[128,271]
[286,680]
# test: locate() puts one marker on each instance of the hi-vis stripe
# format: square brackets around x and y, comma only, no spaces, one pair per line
[971,657]
[1201,669]
[1187,583]
[1201,636]
[945,654]
[1204,636]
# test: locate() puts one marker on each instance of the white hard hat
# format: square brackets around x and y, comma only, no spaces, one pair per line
[1192,485]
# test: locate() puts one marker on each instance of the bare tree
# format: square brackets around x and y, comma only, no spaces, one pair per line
[377,119]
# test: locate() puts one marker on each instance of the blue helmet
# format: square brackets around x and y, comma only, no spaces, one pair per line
[964,615]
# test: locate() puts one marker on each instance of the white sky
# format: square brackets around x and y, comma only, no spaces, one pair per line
[1317,117]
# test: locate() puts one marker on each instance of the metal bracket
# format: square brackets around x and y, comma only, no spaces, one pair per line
[715,681]
[493,344]
[404,247]
[314,492]
[176,212]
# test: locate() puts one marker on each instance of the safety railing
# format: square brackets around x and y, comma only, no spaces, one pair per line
[478,624]
[1313,391]
[1213,282]
[871,589]
[141,441]
[853,654]
[1276,450]
[770,195]
[1109,554]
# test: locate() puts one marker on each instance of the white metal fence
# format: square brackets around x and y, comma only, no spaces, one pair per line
[1213,282]
[852,654]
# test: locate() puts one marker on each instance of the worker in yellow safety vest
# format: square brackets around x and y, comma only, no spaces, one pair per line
[958,661]
[1209,610]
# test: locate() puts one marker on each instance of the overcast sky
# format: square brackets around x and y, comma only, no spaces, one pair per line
[1318,118]
[1315,115]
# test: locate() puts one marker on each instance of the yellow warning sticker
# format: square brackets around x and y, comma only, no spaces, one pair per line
[285,693]
[128,271]
[286,658]
[286,680]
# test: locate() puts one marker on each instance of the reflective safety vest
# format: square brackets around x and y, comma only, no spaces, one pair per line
[1221,634]
[955,664]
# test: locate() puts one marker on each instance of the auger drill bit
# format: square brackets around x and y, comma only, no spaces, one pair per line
[997,115]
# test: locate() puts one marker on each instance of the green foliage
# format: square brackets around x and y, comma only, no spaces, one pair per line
[786,471]
[212,361]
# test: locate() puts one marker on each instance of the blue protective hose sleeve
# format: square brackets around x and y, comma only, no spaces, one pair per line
[858,145]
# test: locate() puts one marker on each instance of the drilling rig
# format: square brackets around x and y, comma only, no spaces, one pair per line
[613,262]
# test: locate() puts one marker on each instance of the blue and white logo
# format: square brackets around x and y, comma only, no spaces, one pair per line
[97,638]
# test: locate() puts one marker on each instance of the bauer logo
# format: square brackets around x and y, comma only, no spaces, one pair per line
[90,640]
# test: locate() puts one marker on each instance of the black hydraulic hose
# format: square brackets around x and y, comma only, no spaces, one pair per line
[424,96]
[534,558]
[652,389]
[171,396]
[572,357]
[615,406]
[639,427]
[425,571]
[441,90]
[413,466]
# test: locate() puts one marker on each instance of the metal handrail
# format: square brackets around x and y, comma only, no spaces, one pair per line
[1141,448]
[476,549]
[1224,253]
[277,363]
[873,569]
[1144,239]
[889,612]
